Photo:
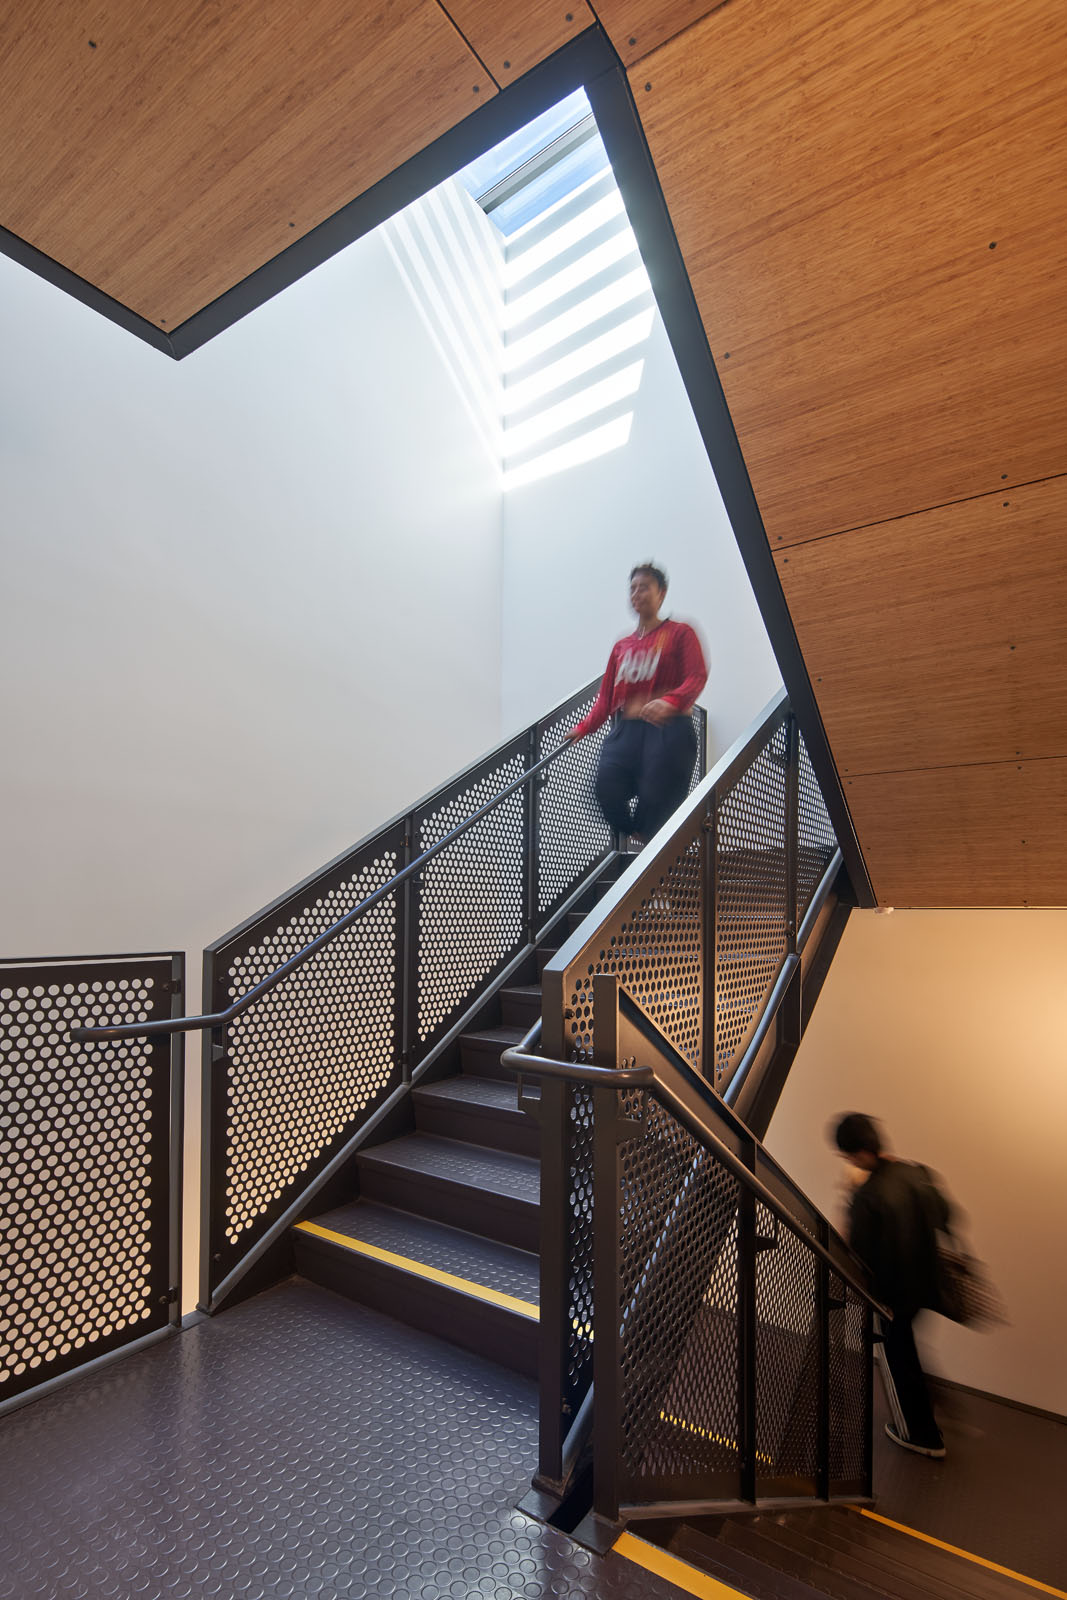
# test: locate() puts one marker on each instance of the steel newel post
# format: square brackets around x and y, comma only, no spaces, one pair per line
[177,1140]
[531,821]
[792,817]
[709,887]
[409,956]
[868,1399]
[607,1350]
[555,1276]
[822,1313]
[746,1343]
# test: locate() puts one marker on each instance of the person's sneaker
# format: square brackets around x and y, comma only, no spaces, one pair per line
[937,1451]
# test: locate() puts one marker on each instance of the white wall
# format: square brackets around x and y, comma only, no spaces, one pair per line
[570,541]
[250,603]
[250,608]
[947,1026]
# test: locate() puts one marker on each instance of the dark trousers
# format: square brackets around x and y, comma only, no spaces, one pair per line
[652,765]
[916,1414]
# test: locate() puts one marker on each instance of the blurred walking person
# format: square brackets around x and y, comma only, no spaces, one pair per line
[650,685]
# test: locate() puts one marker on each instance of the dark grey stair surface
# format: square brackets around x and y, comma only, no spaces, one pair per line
[520,1005]
[480,1051]
[833,1552]
[483,1111]
[492,1192]
[466,1255]
[295,1446]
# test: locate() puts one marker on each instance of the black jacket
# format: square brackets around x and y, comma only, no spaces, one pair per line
[894,1221]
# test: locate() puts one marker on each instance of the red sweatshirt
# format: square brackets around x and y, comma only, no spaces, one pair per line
[667,664]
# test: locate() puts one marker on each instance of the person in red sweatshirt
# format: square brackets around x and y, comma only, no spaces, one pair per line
[650,686]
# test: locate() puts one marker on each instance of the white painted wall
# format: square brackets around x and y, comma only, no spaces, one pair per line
[570,541]
[947,1027]
[249,608]
[250,603]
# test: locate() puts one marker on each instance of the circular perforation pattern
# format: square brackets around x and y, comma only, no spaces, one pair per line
[579,1331]
[572,834]
[848,1386]
[309,1058]
[655,948]
[470,896]
[75,1150]
[816,839]
[786,1353]
[750,912]
[677,1230]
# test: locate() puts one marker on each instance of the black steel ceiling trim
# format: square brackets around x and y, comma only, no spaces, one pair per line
[624,139]
[536,91]
[27,255]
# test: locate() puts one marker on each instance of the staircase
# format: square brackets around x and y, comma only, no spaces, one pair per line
[837,1552]
[443,1233]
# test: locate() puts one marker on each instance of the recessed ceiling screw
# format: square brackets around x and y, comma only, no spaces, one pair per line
[633,41]
[507,64]
[647,87]
[993,246]
[92,44]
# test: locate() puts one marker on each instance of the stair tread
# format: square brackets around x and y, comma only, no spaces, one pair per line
[875,1541]
[528,990]
[493,1094]
[733,1567]
[434,1244]
[755,1540]
[496,1173]
[500,1034]
[830,1547]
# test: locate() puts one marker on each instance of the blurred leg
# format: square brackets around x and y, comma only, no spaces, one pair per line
[666,771]
[617,773]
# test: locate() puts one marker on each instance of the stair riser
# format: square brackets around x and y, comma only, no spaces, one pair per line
[492,1331]
[454,1120]
[519,1010]
[494,1216]
[482,1060]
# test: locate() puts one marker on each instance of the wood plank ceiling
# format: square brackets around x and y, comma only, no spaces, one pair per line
[870,200]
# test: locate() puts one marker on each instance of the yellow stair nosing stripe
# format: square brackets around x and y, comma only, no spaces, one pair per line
[967,1555]
[680,1573]
[448,1280]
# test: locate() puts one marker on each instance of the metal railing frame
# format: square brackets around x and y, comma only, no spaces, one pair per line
[169,1296]
[214,1022]
[705,1113]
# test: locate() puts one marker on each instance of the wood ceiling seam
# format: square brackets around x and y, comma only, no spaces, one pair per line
[904,516]
[1018,762]
[484,65]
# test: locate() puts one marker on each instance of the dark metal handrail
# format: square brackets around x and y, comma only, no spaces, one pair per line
[218,1019]
[520,1059]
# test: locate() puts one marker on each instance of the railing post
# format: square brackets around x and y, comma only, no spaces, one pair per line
[408,976]
[177,1137]
[552,1333]
[822,1312]
[709,894]
[792,811]
[530,840]
[606,1344]
[746,1343]
[212,1148]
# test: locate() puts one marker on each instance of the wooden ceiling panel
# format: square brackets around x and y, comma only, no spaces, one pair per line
[836,176]
[637,27]
[512,39]
[939,638]
[965,836]
[166,153]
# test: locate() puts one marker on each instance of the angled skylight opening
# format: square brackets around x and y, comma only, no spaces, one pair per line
[538,229]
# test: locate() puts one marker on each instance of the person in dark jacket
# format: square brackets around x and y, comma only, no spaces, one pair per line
[896,1212]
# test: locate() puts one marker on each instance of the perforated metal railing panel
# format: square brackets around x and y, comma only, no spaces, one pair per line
[750,906]
[309,1059]
[578,1330]
[85,1152]
[786,1357]
[573,835]
[469,915]
[677,1313]
[654,944]
[850,1377]
[816,839]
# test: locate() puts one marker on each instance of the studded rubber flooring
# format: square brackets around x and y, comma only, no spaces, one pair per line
[296,1446]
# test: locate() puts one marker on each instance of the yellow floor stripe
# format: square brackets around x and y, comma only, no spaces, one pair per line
[493,1297]
[954,1549]
[680,1573]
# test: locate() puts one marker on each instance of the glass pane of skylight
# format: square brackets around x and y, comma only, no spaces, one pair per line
[512,153]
